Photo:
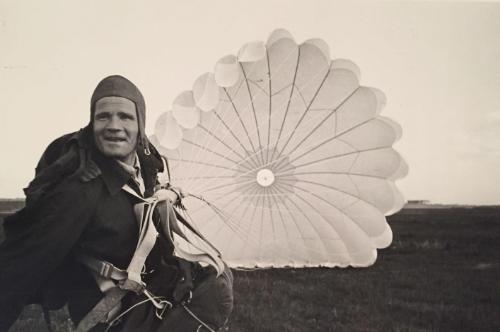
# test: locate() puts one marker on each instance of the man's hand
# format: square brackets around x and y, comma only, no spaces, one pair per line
[131,285]
[166,194]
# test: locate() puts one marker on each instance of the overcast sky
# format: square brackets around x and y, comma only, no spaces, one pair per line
[437,62]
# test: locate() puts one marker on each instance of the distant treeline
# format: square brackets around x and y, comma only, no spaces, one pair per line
[451,210]
[9,206]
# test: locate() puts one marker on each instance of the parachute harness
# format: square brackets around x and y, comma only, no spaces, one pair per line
[115,283]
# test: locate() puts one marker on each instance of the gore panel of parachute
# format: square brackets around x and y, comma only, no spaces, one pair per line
[293,161]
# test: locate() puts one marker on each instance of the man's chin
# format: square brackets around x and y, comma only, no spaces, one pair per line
[119,155]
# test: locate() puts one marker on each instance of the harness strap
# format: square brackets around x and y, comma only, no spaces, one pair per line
[206,257]
[172,226]
[105,273]
[102,268]
[147,239]
[197,233]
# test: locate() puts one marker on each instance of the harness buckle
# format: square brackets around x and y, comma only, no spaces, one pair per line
[106,269]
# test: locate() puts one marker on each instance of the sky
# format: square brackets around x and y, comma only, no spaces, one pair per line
[438,63]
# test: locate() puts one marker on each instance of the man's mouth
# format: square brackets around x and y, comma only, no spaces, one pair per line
[115,139]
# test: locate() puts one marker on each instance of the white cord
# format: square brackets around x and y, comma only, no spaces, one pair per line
[110,324]
[199,320]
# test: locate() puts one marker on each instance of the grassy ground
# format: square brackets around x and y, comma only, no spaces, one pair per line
[442,273]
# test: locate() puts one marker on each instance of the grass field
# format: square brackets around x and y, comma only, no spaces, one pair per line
[442,273]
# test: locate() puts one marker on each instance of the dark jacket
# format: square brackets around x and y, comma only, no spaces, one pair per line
[77,206]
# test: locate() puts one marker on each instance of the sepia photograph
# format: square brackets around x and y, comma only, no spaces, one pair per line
[249,165]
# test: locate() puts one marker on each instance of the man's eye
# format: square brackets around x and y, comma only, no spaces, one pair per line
[126,117]
[101,116]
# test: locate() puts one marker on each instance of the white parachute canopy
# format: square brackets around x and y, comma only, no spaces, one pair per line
[290,155]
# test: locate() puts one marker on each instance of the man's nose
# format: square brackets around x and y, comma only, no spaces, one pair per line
[113,123]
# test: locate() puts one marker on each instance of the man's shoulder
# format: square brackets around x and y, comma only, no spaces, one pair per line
[61,166]
[57,147]
[62,140]
[73,191]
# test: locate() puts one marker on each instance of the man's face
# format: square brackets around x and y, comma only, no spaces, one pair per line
[116,128]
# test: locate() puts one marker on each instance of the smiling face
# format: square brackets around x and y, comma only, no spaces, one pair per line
[116,128]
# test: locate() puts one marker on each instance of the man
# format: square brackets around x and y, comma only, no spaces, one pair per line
[80,214]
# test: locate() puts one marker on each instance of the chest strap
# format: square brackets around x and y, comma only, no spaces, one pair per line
[103,268]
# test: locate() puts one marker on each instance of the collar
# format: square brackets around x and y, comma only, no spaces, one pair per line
[112,173]
[134,169]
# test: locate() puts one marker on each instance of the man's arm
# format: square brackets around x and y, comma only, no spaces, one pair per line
[31,253]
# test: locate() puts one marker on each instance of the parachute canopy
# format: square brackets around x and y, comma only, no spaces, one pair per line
[291,163]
